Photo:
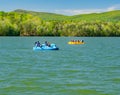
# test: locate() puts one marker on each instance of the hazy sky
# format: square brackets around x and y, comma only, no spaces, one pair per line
[67,7]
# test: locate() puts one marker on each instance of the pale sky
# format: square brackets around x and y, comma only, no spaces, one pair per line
[66,7]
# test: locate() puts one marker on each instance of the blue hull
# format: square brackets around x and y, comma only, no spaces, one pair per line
[40,48]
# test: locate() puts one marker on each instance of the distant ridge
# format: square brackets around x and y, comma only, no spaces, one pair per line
[43,15]
[105,16]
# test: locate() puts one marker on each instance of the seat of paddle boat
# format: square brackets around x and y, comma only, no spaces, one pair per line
[76,42]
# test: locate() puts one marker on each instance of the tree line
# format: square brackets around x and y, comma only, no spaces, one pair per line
[19,24]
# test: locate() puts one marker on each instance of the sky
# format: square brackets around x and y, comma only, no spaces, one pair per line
[65,7]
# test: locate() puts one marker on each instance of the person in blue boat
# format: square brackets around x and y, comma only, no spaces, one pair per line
[37,44]
[47,43]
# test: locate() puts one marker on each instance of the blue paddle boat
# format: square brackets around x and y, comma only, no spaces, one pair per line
[45,47]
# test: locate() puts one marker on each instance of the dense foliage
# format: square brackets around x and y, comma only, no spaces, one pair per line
[27,23]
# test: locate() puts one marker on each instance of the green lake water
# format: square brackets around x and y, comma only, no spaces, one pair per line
[89,69]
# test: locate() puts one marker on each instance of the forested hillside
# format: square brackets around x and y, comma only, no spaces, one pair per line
[112,16]
[43,15]
[29,23]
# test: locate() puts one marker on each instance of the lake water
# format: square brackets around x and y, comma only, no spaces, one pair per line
[89,69]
